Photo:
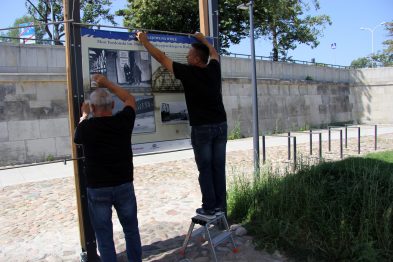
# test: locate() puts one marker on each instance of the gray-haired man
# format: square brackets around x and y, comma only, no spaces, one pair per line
[106,141]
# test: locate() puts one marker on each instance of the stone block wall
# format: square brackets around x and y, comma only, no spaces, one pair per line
[288,105]
[34,113]
[33,118]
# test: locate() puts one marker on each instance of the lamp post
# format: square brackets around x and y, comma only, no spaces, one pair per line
[249,6]
[372,34]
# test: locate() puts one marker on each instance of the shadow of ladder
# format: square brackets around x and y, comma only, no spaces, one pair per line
[207,226]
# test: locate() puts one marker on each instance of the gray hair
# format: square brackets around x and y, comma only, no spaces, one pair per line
[101,98]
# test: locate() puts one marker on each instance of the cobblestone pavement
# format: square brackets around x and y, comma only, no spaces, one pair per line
[39,220]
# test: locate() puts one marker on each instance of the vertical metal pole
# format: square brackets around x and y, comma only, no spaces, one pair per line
[346,136]
[310,142]
[263,150]
[330,146]
[375,137]
[358,140]
[320,146]
[294,152]
[215,23]
[75,97]
[341,143]
[255,93]
[289,145]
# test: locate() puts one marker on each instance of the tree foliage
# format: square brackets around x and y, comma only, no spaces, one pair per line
[282,21]
[49,11]
[389,42]
[13,35]
[381,58]
[286,23]
[165,15]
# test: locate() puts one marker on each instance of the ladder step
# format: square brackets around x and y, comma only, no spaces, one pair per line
[197,232]
[203,220]
[221,237]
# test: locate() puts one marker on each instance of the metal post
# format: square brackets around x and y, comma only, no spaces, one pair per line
[289,145]
[255,93]
[75,97]
[310,142]
[375,137]
[263,150]
[341,143]
[294,152]
[346,136]
[330,146]
[320,146]
[358,140]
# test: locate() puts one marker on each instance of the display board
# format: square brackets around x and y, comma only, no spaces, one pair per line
[161,116]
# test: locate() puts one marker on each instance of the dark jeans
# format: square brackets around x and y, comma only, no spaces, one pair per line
[100,201]
[209,144]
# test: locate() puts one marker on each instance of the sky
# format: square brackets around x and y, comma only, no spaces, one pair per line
[347,16]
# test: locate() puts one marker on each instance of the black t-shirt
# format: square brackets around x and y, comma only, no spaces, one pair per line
[202,88]
[107,147]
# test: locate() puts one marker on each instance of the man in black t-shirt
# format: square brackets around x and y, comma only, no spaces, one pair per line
[106,141]
[201,80]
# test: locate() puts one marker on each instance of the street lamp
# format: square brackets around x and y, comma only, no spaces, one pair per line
[249,6]
[372,35]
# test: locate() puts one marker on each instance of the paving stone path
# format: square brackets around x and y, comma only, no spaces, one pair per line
[39,220]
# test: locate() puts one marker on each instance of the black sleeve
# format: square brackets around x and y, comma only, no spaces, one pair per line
[214,65]
[180,70]
[78,135]
[128,114]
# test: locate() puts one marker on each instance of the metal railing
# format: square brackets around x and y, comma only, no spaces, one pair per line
[270,58]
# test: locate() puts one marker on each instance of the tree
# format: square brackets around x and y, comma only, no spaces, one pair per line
[14,34]
[51,11]
[282,21]
[165,15]
[182,17]
[384,58]
[361,62]
[286,23]
[389,42]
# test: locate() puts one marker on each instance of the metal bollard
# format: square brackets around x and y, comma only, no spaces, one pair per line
[263,150]
[294,152]
[289,145]
[358,140]
[330,145]
[310,142]
[320,146]
[341,143]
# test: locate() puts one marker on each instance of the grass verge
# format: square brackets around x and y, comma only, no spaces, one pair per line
[337,211]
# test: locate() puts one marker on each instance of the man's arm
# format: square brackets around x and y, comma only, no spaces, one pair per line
[212,51]
[121,93]
[155,52]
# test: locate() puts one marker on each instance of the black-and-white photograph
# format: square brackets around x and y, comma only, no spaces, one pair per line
[129,69]
[144,121]
[162,79]
[174,113]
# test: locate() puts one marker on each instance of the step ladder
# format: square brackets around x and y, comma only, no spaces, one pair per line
[215,231]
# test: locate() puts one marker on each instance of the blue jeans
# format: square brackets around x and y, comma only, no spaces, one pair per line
[209,144]
[100,201]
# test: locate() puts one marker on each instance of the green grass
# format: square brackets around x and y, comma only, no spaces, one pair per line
[338,211]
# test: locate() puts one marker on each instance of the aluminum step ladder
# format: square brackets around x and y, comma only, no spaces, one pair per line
[208,226]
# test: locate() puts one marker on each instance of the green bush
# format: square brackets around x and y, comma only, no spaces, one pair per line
[339,211]
[235,133]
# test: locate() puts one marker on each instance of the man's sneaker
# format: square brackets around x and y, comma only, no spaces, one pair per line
[218,211]
[209,214]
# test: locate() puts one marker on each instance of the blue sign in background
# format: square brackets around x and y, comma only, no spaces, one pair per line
[131,36]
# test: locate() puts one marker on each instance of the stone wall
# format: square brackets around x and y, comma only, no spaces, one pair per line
[34,115]
[288,105]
